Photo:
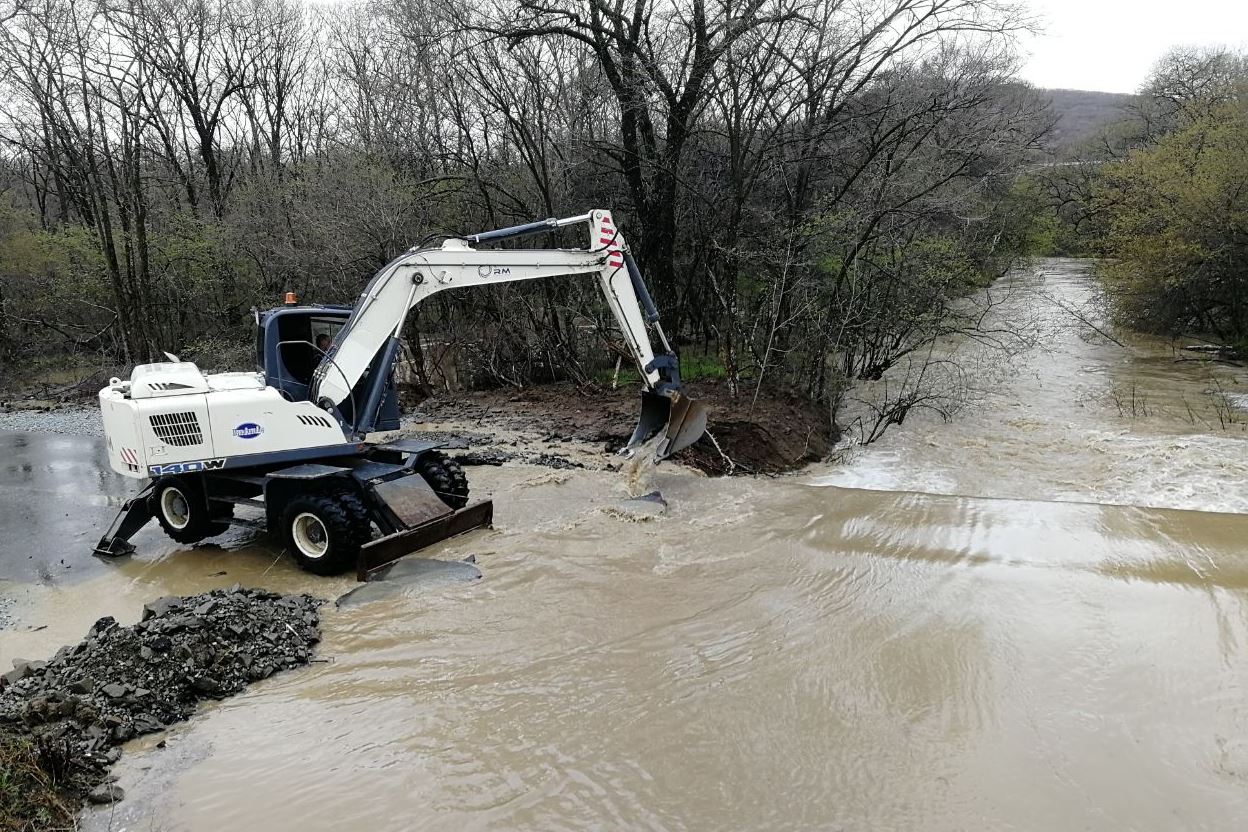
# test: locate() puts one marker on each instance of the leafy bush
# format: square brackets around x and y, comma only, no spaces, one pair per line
[1177,220]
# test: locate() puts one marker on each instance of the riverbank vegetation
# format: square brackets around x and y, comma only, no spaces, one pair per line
[1176,228]
[808,185]
[1163,196]
[29,795]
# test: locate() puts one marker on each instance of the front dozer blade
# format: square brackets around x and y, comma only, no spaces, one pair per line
[678,419]
[391,547]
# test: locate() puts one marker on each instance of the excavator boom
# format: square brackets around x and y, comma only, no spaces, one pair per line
[376,324]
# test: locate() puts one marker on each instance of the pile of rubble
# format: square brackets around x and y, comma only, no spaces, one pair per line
[79,706]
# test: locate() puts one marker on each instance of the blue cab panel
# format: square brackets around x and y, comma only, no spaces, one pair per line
[291,342]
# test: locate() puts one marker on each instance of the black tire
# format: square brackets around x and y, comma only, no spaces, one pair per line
[324,532]
[179,506]
[445,477]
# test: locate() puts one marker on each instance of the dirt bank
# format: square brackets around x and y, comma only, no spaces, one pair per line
[561,425]
[62,721]
[558,426]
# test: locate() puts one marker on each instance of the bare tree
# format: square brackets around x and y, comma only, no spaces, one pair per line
[812,186]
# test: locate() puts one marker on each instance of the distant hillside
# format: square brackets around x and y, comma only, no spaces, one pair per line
[1082,113]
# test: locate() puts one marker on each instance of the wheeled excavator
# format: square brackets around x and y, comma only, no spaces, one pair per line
[306,437]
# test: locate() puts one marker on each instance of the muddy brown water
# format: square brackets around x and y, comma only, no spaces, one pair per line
[1058,641]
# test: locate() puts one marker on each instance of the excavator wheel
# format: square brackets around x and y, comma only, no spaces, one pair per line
[324,531]
[178,505]
[445,477]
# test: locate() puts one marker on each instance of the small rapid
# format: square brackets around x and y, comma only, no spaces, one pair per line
[1076,416]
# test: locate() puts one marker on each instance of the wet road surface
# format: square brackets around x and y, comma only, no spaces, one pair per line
[57,494]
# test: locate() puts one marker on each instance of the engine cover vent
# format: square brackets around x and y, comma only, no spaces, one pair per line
[315,420]
[180,429]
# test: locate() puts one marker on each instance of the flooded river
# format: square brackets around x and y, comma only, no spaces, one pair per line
[1124,419]
[1014,621]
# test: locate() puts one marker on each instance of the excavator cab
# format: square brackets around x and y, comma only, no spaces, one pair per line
[287,352]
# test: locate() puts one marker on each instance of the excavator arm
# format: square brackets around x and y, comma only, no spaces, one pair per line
[376,324]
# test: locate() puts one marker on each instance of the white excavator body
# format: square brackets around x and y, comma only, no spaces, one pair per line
[300,438]
[171,418]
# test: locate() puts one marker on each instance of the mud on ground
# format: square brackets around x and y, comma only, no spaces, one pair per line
[563,426]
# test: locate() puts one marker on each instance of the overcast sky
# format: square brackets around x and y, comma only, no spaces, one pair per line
[1110,45]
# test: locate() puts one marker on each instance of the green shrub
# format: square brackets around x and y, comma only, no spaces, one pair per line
[1178,230]
[28,796]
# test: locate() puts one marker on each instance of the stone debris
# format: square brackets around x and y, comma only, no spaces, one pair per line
[496,456]
[488,456]
[639,509]
[120,682]
[84,421]
[106,793]
[547,460]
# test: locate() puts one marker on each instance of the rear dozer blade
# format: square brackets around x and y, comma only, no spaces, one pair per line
[678,419]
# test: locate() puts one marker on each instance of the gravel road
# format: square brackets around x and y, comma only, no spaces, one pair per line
[81,421]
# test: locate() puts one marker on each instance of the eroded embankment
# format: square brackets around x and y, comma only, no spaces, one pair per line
[562,425]
[62,721]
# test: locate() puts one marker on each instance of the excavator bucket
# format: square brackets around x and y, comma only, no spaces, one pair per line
[678,419]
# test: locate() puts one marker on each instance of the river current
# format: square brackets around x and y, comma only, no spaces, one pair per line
[1034,617]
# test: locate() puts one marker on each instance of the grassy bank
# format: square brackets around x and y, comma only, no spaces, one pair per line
[30,800]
